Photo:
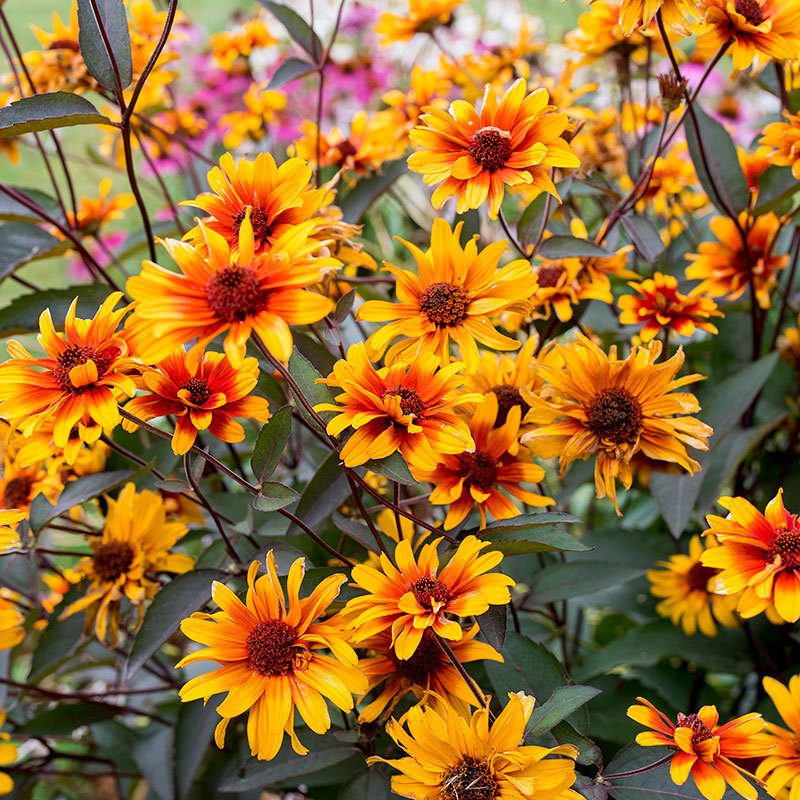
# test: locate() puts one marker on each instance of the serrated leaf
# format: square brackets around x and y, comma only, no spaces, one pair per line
[44,112]
[562,702]
[181,597]
[22,314]
[644,235]
[110,14]
[571,247]
[393,467]
[368,190]
[297,28]
[290,70]
[273,496]
[21,243]
[271,442]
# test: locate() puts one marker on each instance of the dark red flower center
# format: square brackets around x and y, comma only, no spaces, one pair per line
[234,294]
[270,648]
[428,589]
[615,415]
[549,276]
[427,659]
[17,493]
[786,544]
[259,219]
[490,147]
[64,44]
[444,303]
[507,397]
[469,780]
[346,149]
[477,469]
[74,355]
[698,576]
[750,10]
[700,731]
[410,402]
[112,559]
[198,391]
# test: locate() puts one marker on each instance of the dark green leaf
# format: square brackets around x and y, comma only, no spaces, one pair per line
[368,190]
[563,702]
[355,530]
[13,211]
[64,718]
[43,112]
[525,521]
[290,70]
[193,732]
[527,667]
[344,306]
[306,375]
[271,443]
[493,626]
[644,235]
[297,28]
[676,496]
[182,596]
[370,785]
[561,581]
[530,223]
[716,162]
[588,788]
[393,467]
[324,493]
[153,755]
[570,247]
[776,185]
[534,540]
[59,639]
[273,496]
[173,485]
[588,751]
[110,14]
[21,243]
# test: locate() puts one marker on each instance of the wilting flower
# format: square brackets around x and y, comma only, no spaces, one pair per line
[760,30]
[704,748]
[474,155]
[780,770]
[616,409]
[416,595]
[239,292]
[781,143]
[405,407]
[136,541]
[686,587]
[724,266]
[8,754]
[640,13]
[84,373]
[759,556]
[9,539]
[452,296]
[271,664]
[661,305]
[11,630]
[204,394]
[478,475]
[423,16]
[428,673]
[452,757]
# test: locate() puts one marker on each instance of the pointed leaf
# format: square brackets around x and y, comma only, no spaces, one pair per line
[297,28]
[271,443]
[43,112]
[110,14]
[21,243]
[273,496]
[290,70]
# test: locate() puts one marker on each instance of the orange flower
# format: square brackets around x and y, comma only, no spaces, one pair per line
[476,476]
[415,595]
[423,16]
[759,554]
[704,748]
[93,214]
[781,769]
[405,407]
[474,155]
[455,291]
[760,30]
[781,142]
[84,372]
[724,267]
[599,32]
[661,305]
[235,291]
[203,394]
[640,13]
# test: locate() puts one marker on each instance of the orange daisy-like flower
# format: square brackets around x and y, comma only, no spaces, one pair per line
[278,197]
[241,292]
[473,155]
[759,30]
[204,394]
[724,267]
[453,295]
[9,538]
[84,372]
[661,305]
[428,673]
[405,407]
[477,476]
[271,664]
[640,13]
[93,214]
[759,556]
[781,142]
[781,768]
[416,595]
[615,409]
[423,16]
[704,748]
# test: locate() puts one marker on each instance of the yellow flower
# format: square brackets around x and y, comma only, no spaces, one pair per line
[423,16]
[250,124]
[271,664]
[640,13]
[93,214]
[227,47]
[450,757]
[599,32]
[9,539]
[11,630]
[781,768]
[781,142]
[19,485]
[8,754]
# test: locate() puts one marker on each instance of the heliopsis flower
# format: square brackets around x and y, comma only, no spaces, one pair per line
[82,458]
[415,595]
[759,556]
[9,538]
[599,32]
[238,292]
[84,373]
[227,47]
[8,754]
[478,475]
[780,770]
[405,407]
[686,587]
[20,484]
[725,268]
[251,123]
[93,214]
[136,540]
[271,664]
[278,198]
[758,30]
[452,757]
[428,673]
[660,305]
[789,346]
[423,16]
[11,630]
[781,143]
[204,394]
[615,409]
[427,88]
[704,748]
[474,155]
[452,295]
[640,13]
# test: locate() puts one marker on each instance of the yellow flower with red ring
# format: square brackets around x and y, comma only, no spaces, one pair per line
[780,770]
